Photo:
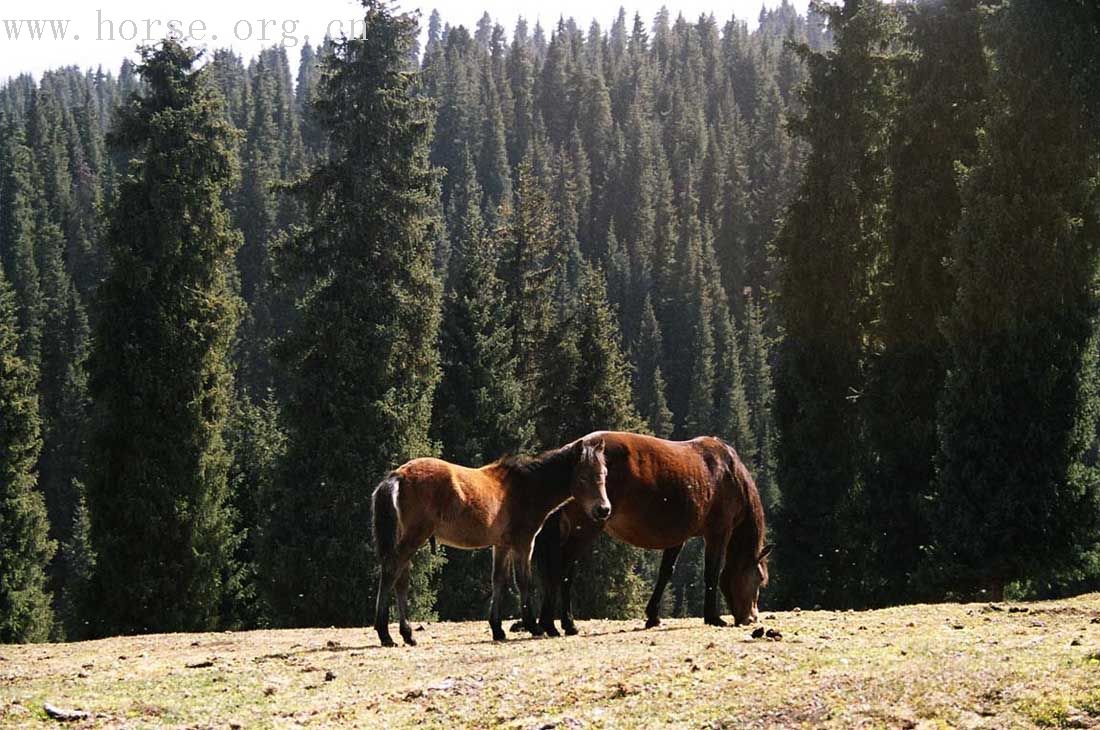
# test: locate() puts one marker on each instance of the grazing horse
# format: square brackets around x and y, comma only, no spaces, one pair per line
[502,505]
[664,493]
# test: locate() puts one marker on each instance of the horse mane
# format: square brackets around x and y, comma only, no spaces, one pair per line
[749,534]
[554,462]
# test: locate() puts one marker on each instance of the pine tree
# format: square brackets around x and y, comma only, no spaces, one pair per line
[649,384]
[18,253]
[587,387]
[257,440]
[479,404]
[479,407]
[78,566]
[941,105]
[161,381]
[760,395]
[257,214]
[25,547]
[63,399]
[529,259]
[362,356]
[1022,334]
[829,241]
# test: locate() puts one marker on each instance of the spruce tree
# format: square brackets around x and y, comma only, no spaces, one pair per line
[587,387]
[479,408]
[479,405]
[941,93]
[361,358]
[160,376]
[829,241]
[18,252]
[1016,497]
[760,395]
[649,384]
[25,547]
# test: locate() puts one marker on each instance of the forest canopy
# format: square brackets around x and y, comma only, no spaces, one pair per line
[860,245]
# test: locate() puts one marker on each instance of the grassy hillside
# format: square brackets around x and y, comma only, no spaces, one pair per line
[975,665]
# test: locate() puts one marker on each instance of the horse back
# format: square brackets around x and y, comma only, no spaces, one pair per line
[461,505]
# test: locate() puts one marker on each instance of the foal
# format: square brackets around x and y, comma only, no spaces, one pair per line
[502,505]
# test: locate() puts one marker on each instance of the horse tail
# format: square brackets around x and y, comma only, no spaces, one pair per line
[387,521]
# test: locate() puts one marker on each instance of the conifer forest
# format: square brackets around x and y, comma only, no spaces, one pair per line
[861,245]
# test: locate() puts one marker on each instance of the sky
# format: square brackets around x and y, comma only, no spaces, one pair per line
[103,32]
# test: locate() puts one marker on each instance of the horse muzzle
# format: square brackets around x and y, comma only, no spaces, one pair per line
[601,512]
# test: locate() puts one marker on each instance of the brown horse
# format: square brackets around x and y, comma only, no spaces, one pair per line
[502,505]
[664,493]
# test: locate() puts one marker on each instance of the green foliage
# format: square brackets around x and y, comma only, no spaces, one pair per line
[649,384]
[828,247]
[1022,332]
[904,347]
[257,441]
[25,547]
[78,565]
[760,395]
[161,377]
[480,412]
[361,357]
[941,85]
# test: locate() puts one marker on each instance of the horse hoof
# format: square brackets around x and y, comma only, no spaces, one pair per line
[500,636]
[387,641]
[570,630]
[652,622]
[409,640]
[551,631]
[536,631]
[716,622]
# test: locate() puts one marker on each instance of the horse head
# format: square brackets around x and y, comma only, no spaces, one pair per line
[744,584]
[589,486]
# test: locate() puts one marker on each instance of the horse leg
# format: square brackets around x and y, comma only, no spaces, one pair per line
[568,573]
[387,577]
[548,549]
[402,586]
[500,581]
[668,564]
[714,551]
[522,562]
[580,539]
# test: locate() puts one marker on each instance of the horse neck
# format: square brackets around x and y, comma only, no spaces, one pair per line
[545,482]
[747,540]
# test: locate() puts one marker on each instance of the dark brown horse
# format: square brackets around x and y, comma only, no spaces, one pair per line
[664,493]
[502,505]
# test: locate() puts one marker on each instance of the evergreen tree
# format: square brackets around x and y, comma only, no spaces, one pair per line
[1022,332]
[649,384]
[941,105]
[827,246]
[18,252]
[256,439]
[587,387]
[760,396]
[25,547]
[63,399]
[528,262]
[161,380]
[362,356]
[479,405]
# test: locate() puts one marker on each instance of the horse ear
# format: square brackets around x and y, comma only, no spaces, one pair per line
[765,552]
[598,446]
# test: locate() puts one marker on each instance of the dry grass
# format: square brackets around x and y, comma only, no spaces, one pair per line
[915,666]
